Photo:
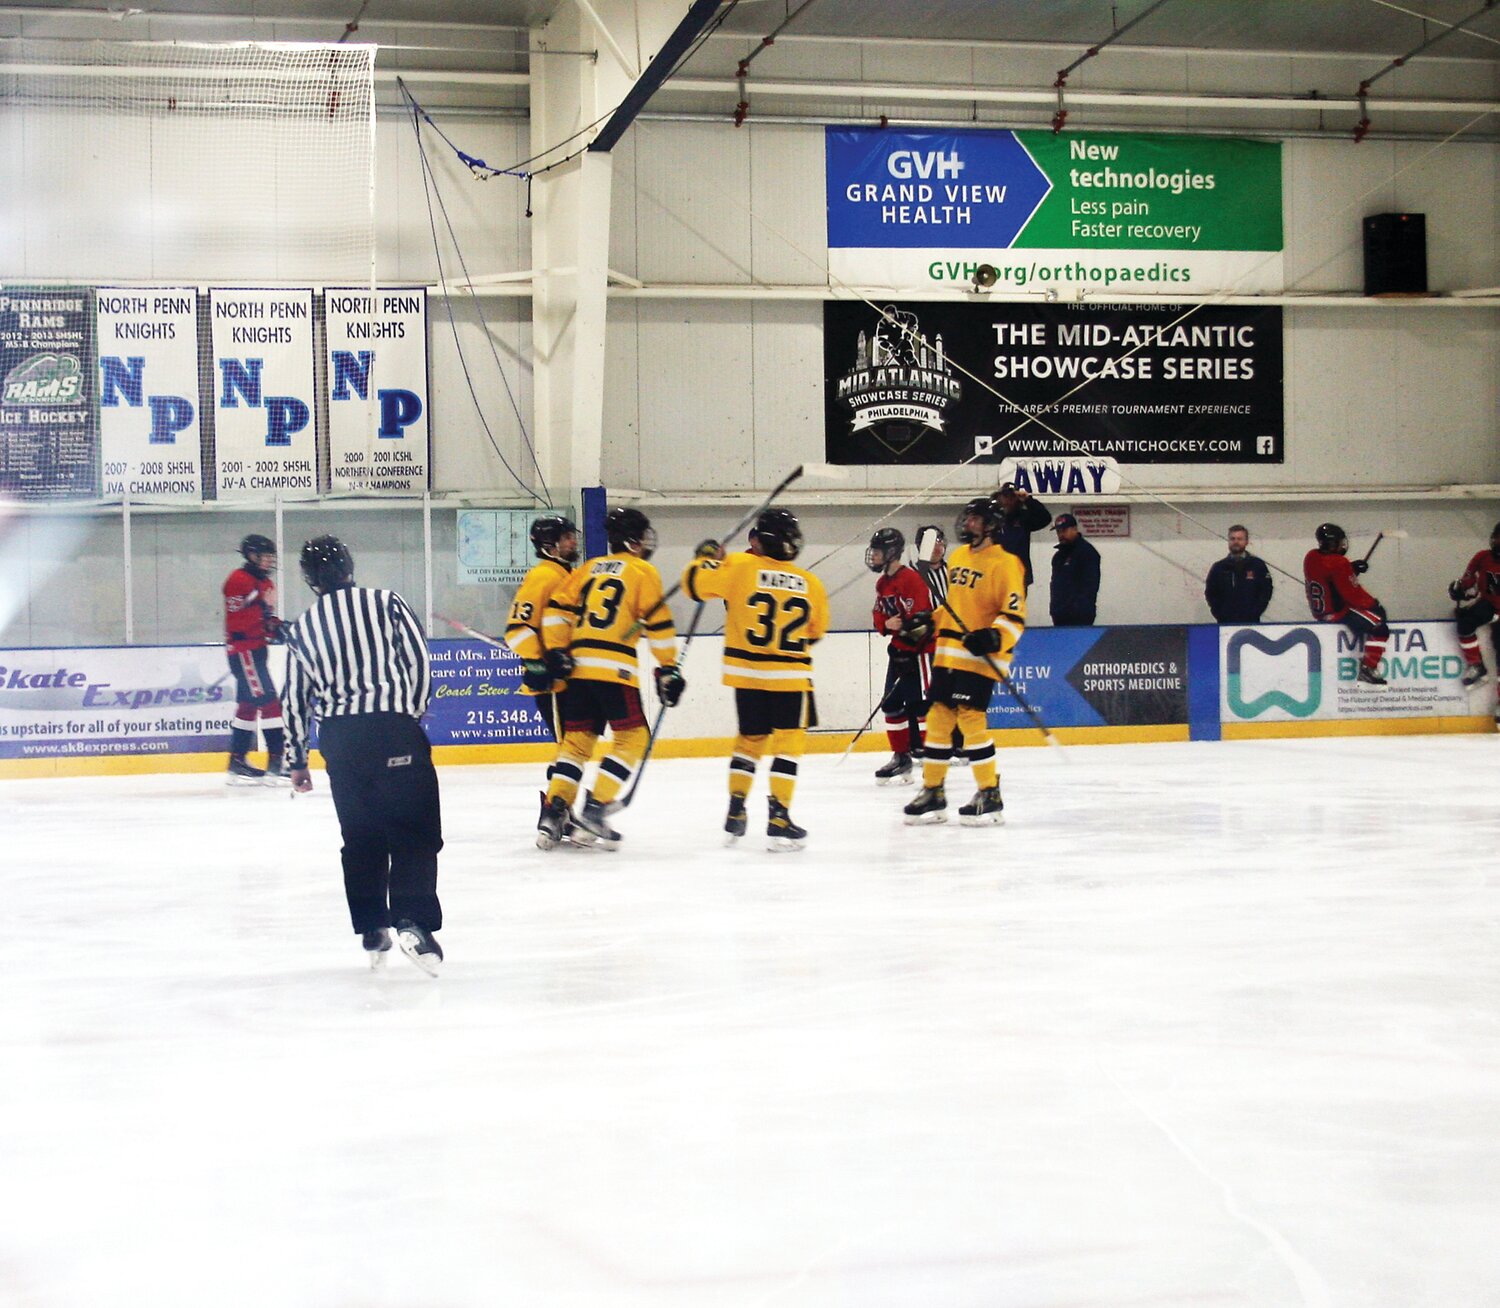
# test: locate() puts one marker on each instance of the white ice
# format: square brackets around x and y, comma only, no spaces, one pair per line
[1202,1025]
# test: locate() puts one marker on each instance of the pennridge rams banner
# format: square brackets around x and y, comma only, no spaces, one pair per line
[264,395]
[149,425]
[1094,212]
[49,436]
[377,389]
[943,383]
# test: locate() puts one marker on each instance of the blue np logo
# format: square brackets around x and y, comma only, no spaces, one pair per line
[1274,647]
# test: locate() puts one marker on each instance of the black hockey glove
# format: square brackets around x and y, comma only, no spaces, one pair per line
[669,685]
[536,677]
[984,641]
[1459,593]
[560,664]
[1360,566]
[917,629]
[274,629]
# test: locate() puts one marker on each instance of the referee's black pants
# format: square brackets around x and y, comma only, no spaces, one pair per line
[385,791]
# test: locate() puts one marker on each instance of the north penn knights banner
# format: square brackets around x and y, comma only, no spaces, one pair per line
[377,389]
[1094,212]
[264,399]
[149,423]
[945,383]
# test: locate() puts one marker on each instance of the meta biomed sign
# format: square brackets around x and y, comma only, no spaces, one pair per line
[1098,212]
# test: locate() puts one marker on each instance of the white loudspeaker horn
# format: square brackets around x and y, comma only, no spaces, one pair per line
[985,276]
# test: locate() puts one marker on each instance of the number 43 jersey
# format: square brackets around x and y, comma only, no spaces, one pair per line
[599,613]
[773,614]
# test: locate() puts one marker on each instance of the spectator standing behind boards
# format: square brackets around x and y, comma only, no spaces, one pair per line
[1477,594]
[1239,585]
[1020,515]
[1075,575]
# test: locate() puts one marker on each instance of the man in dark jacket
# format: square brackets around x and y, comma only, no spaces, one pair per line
[1239,585]
[1075,576]
[1020,515]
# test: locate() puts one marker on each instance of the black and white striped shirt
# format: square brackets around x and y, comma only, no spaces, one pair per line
[356,650]
[936,577]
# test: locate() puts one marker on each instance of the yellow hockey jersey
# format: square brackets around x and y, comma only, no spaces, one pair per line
[986,588]
[596,611]
[523,629]
[773,613]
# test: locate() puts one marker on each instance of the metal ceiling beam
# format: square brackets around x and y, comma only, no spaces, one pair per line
[657,72]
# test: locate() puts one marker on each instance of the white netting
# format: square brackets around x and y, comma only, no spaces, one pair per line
[168,162]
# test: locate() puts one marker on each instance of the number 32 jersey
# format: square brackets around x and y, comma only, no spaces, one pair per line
[773,614]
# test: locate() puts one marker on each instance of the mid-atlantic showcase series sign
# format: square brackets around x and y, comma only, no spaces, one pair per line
[1098,211]
[1137,383]
[175,367]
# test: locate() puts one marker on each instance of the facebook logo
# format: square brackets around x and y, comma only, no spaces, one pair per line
[1265,445]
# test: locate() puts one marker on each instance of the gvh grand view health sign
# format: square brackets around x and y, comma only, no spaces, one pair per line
[1098,212]
[937,383]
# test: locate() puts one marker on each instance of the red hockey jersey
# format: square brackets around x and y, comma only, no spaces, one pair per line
[1331,588]
[1483,575]
[900,596]
[250,620]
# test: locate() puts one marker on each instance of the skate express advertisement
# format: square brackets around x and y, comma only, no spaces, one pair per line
[1136,383]
[49,433]
[1094,212]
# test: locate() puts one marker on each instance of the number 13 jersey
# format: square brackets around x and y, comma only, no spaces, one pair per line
[773,614]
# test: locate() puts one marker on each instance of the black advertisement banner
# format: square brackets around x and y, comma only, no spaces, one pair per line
[1138,383]
[50,426]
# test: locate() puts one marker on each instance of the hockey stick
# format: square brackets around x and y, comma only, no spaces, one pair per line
[879,704]
[829,470]
[661,712]
[1380,536]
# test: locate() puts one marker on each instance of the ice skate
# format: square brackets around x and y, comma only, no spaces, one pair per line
[1476,674]
[984,810]
[1370,676]
[590,826]
[377,944]
[554,822]
[419,946]
[735,821]
[897,772]
[277,773]
[782,834]
[241,773]
[930,805]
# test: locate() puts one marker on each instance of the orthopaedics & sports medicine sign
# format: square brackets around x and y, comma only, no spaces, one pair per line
[1097,212]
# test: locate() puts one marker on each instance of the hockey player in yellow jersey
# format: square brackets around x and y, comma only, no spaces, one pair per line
[978,625]
[774,612]
[554,538]
[589,633]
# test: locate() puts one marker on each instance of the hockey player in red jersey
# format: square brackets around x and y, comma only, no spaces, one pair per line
[903,614]
[1334,595]
[1477,594]
[250,624]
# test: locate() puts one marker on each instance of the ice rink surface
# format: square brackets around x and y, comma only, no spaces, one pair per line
[1209,1024]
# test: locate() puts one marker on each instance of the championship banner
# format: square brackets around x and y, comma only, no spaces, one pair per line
[175,699]
[377,389]
[1097,677]
[476,697]
[1099,212]
[149,428]
[266,440]
[1295,673]
[1129,383]
[49,437]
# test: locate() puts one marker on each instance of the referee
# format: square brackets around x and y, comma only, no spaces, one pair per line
[357,658]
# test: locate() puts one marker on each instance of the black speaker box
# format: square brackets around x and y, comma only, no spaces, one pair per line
[1396,254]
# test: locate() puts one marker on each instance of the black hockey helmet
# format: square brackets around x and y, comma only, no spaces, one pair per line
[1331,538]
[779,534]
[1495,539]
[260,546]
[986,507]
[929,537]
[547,533]
[886,547]
[627,527]
[327,564]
